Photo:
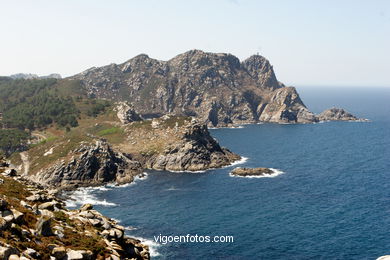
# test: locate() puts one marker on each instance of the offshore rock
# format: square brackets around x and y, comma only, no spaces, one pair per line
[247,172]
[338,114]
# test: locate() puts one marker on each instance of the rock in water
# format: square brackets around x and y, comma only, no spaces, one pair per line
[248,172]
[216,88]
[338,114]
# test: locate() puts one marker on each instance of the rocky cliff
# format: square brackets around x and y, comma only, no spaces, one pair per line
[217,88]
[195,151]
[89,164]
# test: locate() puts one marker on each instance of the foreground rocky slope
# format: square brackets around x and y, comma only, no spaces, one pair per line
[216,88]
[35,225]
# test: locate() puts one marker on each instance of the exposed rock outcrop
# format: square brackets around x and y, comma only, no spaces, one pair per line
[338,114]
[126,113]
[90,164]
[214,87]
[285,106]
[195,151]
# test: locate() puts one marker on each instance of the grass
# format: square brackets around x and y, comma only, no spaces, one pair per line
[44,141]
[110,131]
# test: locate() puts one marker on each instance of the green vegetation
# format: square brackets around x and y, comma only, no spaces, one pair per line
[31,104]
[44,141]
[12,140]
[98,107]
[110,131]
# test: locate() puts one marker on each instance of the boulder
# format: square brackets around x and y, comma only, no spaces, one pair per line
[59,252]
[87,206]
[6,252]
[126,113]
[18,216]
[4,224]
[3,204]
[43,226]
[31,253]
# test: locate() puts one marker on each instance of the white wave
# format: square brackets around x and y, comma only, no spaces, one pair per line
[152,245]
[129,228]
[87,195]
[275,173]
[172,188]
[116,220]
[241,161]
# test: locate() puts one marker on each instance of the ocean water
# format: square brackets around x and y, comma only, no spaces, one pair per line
[331,202]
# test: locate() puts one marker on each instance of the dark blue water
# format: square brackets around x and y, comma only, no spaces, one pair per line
[332,202]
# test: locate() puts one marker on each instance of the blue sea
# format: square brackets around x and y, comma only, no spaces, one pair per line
[331,202]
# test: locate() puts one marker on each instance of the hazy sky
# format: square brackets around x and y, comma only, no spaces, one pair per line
[309,42]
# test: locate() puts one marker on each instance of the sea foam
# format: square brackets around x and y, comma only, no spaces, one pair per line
[86,195]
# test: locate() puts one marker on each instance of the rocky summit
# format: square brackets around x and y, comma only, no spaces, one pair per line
[216,88]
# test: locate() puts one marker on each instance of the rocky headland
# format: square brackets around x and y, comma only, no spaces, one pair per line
[117,152]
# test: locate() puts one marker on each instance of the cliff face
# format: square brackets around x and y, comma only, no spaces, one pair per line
[215,87]
[89,164]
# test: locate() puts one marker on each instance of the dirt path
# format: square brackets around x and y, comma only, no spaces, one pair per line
[26,162]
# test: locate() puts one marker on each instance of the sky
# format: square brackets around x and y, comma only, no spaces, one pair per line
[309,42]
